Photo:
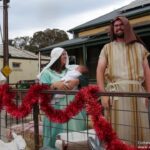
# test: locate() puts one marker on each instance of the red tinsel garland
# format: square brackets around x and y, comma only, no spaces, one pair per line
[85,97]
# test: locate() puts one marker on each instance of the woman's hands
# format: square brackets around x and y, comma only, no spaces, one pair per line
[72,83]
[61,85]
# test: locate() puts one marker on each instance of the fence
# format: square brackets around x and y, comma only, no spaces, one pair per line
[31,127]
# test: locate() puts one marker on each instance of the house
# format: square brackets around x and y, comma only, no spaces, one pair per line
[90,37]
[24,64]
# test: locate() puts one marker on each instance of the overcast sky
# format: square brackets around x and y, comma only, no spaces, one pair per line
[29,16]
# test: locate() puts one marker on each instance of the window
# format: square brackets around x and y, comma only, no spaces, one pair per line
[16,65]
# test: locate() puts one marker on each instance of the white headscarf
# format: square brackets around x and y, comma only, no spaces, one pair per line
[2,77]
[55,54]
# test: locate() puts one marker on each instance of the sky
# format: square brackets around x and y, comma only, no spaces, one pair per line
[25,17]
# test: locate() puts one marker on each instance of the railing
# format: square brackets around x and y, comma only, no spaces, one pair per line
[32,131]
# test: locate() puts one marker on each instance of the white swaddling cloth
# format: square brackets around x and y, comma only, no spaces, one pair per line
[71,74]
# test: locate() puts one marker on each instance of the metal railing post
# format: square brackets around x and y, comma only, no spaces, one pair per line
[36,126]
[149,110]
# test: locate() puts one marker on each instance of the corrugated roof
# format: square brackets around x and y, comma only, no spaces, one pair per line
[14,52]
[136,11]
[135,4]
[128,10]
[97,21]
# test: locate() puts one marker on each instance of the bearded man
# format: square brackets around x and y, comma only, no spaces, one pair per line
[123,66]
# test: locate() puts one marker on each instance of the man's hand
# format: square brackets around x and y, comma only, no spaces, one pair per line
[147,102]
[105,102]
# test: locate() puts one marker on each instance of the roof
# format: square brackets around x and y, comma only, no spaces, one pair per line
[134,8]
[71,42]
[77,42]
[17,53]
[136,4]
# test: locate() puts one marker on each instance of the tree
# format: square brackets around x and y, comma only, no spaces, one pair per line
[48,37]
[40,39]
[20,42]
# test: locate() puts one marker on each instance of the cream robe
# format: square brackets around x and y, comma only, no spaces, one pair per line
[125,73]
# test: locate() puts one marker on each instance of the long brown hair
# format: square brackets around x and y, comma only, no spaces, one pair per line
[57,65]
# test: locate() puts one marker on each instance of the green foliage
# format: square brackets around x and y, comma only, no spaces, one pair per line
[40,39]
